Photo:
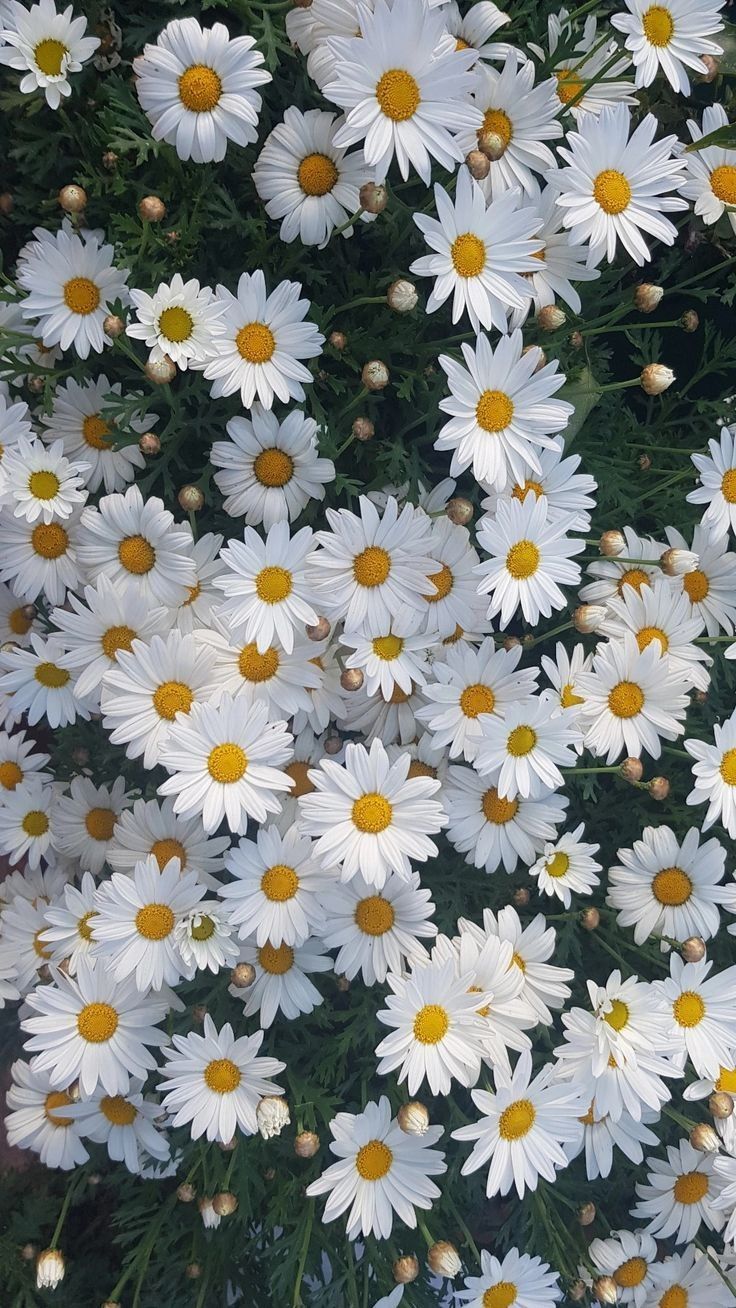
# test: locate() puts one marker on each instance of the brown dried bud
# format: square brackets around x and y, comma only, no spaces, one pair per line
[586,1214]
[612,543]
[632,769]
[7,204]
[492,145]
[338,340]
[700,696]
[402,296]
[28,1252]
[151,209]
[191,499]
[712,68]
[113,326]
[659,788]
[73,198]
[406,1269]
[36,385]
[333,743]
[605,1289]
[363,429]
[577,340]
[720,1105]
[478,164]
[186,1193]
[511,642]
[647,296]
[577,1291]
[193,1271]
[373,197]
[443,1259]
[225,1203]
[352,679]
[413,1118]
[149,443]
[459,511]
[587,618]
[199,1013]
[306,1144]
[320,630]
[644,462]
[590,918]
[656,378]
[343,984]
[243,975]
[693,949]
[160,371]
[109,160]
[704,1138]
[80,756]
[375,375]
[229,1146]
[550,318]
[521,897]
[269,1174]
[172,237]
[690,321]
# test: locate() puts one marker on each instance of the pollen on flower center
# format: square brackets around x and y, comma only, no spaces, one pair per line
[690,1188]
[431,1024]
[200,89]
[672,886]
[727,1080]
[688,1009]
[18,622]
[258,667]
[172,697]
[273,467]
[49,56]
[155,921]
[387,647]
[81,295]
[57,1099]
[83,926]
[374,916]
[298,771]
[443,582]
[317,174]
[117,1110]
[10,775]
[222,1076]
[97,1023]
[626,699]
[372,813]
[398,95]
[279,883]
[494,411]
[166,849]
[497,122]
[373,1160]
[175,323]
[618,1015]
[51,676]
[696,586]
[50,540]
[502,1295]
[645,637]
[276,960]
[728,486]
[94,431]
[100,823]
[728,767]
[521,741]
[255,342]
[568,698]
[477,699]
[372,566]
[612,191]
[520,492]
[675,1297]
[44,485]
[658,25]
[273,585]
[204,928]
[517,1120]
[227,763]
[468,254]
[498,810]
[635,577]
[568,86]
[630,1273]
[723,183]
[558,864]
[522,560]
[137,555]
[117,638]
[39,948]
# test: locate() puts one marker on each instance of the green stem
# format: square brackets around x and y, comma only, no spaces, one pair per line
[355,304]
[619,386]
[337,231]
[463,1226]
[717,1266]
[72,1186]
[630,327]
[304,1250]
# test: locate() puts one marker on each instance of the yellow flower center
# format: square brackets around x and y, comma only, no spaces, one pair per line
[398,95]
[373,1160]
[498,810]
[10,775]
[520,492]
[372,813]
[728,767]
[374,916]
[57,1099]
[204,928]
[630,1273]
[568,698]
[696,586]
[81,296]
[672,886]
[498,123]
[658,25]
[227,763]
[690,1188]
[276,960]
[457,635]
[494,411]
[443,582]
[723,183]
[273,467]
[166,849]
[728,487]
[503,1295]
[155,921]
[618,1016]
[83,927]
[279,883]
[517,1120]
[688,1009]
[117,1110]
[51,676]
[477,699]
[522,560]
[94,431]
[431,1024]
[398,696]
[727,1080]
[521,741]
[38,946]
[137,555]
[568,86]
[172,697]
[255,342]
[676,1297]
[372,566]
[387,647]
[558,864]
[317,174]
[258,667]
[117,638]
[200,89]
[468,253]
[192,595]
[44,485]
[222,1076]
[635,577]
[611,191]
[49,56]
[97,1023]
[298,771]
[273,585]
[19,623]
[176,324]
[100,823]
[648,634]
[49,540]
[417,769]
[626,700]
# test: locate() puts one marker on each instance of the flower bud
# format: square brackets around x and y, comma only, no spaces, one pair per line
[185,1193]
[333,744]
[521,897]
[243,975]
[459,511]
[550,318]
[443,1259]
[656,378]
[373,197]
[210,1219]
[647,296]
[229,1146]
[36,385]
[605,1289]
[720,1105]
[199,1013]
[492,145]
[644,462]
[690,321]
[413,1118]
[612,543]
[577,340]
[151,209]
[375,375]
[28,1252]
[402,296]
[272,1115]
[586,1214]
[577,1291]
[343,984]
[363,429]
[693,949]
[225,1203]
[541,357]
[704,1138]
[160,371]
[109,160]
[149,443]
[50,1269]
[338,340]
[478,164]
[659,788]
[712,68]
[301,4]
[191,499]
[306,1144]
[632,769]
[73,198]
[406,1269]
[590,918]
[320,630]
[511,642]
[676,563]
[193,1271]
[113,326]
[587,618]
[352,679]
[7,204]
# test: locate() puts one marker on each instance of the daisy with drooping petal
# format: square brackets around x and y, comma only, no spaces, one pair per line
[376,932]
[568,493]
[197,87]
[196,612]
[612,577]
[274,892]
[215,1081]
[667,887]
[18,762]
[22,940]
[587,77]
[601,1134]
[37,1119]
[135,543]
[41,683]
[543,984]
[672,36]
[125,1124]
[180,320]
[68,937]
[517,1280]
[658,615]
[282,982]
[71,284]
[135,917]
[203,938]
[451,591]
[270,469]
[701,1016]
[522,752]
[47,46]
[498,983]
[76,419]
[39,559]
[502,411]
[628,1258]
[381,1171]
[40,484]
[629,1081]
[492,831]
[472,684]
[566,867]
[628,196]
[368,816]
[391,720]
[633,701]
[264,340]
[405,91]
[86,819]
[680,1194]
[714,772]
[265,585]
[717,487]
[154,828]
[558,266]
[690,1277]
[94,1029]
[531,557]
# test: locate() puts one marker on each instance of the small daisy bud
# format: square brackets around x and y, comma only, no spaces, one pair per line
[577,1291]
[375,375]
[49,1269]
[539,352]
[225,1203]
[478,164]
[605,1289]
[269,1174]
[373,197]
[191,499]
[406,1269]
[193,1271]
[343,984]
[28,1253]
[587,618]
[612,543]
[186,1193]
[550,318]
[210,1218]
[521,897]
[160,371]
[647,296]
[632,769]
[73,199]
[113,326]
[228,1146]
[720,1105]
[36,385]
[413,1118]
[151,209]
[704,1138]
[29,612]
[173,237]
[338,340]
[712,67]
[590,918]
[306,1144]
[459,511]
[700,696]
[676,563]
[656,378]
[693,949]
[199,1013]
[333,744]
[352,679]
[363,429]
[644,462]
[272,1115]
[690,321]
[586,1214]
[109,160]
[402,296]
[659,788]
[492,145]
[577,340]
[510,642]
[7,204]
[149,443]
[243,975]
[443,1259]
[320,630]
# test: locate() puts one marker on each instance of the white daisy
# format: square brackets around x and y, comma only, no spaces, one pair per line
[437,1032]
[523,116]
[134,923]
[270,470]
[71,284]
[76,419]
[46,46]
[612,577]
[41,683]
[391,720]
[680,1194]
[671,36]
[587,74]
[492,831]
[37,1119]
[522,752]
[396,659]
[197,87]
[667,887]
[282,982]
[180,320]
[26,349]
[203,939]
[376,932]
[530,557]
[265,339]
[40,483]
[631,1082]
[18,762]
[368,817]
[215,1081]
[451,591]
[566,867]
[517,1279]
[154,828]
[280,680]
[715,775]
[15,425]
[627,196]
[274,894]
[471,684]
[700,1011]
[125,1124]
[16,620]
[195,613]
[136,544]
[558,266]
[68,937]
[499,983]
[568,493]
[39,559]
[658,615]
[22,941]
[601,1134]
[9,991]
[86,818]
[472,30]
[717,487]
[405,90]
[628,1258]
[381,1171]
[543,984]
[265,585]
[633,701]
[327,698]
[691,1277]
[710,176]
[703,1088]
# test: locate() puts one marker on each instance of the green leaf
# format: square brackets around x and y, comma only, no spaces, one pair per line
[723,136]
[584,393]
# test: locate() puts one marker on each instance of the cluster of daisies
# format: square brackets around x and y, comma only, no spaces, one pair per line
[320,704]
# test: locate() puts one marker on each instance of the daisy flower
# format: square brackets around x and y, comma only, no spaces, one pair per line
[658,615]
[16,620]
[203,939]
[23,929]
[40,483]
[46,46]
[327,698]
[492,831]
[523,751]
[376,933]
[68,936]
[672,36]
[280,680]
[196,612]
[689,1276]
[180,320]
[124,1124]
[76,419]
[437,1032]
[94,1029]
[715,775]
[18,762]
[225,764]
[566,867]
[265,585]
[282,983]
[680,1194]
[392,720]
[71,284]
[150,827]
[531,557]
[633,701]
[40,682]
[612,578]
[405,91]
[135,919]
[451,591]
[543,985]
[37,1119]
[373,567]
[39,559]
[86,819]
[137,545]
[700,1013]
[569,494]
[15,424]
[480,253]
[472,684]
[499,983]
[605,206]
[381,1171]
[8,990]
[619,1083]
[600,1135]
[215,1081]
[522,1281]
[703,1088]
[472,31]
[667,887]
[587,75]
[396,659]
[523,1127]
[717,487]
[368,816]
[710,176]
[274,892]
[630,1018]
[628,1258]
[306,182]
[270,470]
[197,86]
[264,340]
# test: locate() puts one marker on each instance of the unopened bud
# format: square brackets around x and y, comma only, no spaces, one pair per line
[50,1269]
[111,1303]
[109,160]
[586,1214]
[413,1118]
[693,949]
[511,642]
[191,499]
[478,164]
[36,385]
[7,204]
[492,145]
[73,198]
[700,696]
[151,209]
[402,296]
[704,1138]
[338,340]
[587,618]
[160,371]
[210,1219]
[301,4]
[363,429]
[343,983]
[690,321]
[243,975]
[319,631]
[229,1146]
[676,563]
[225,1203]
[306,1144]
[577,1291]
[659,788]
[656,378]
[605,1289]
[185,1193]
[28,1252]
[352,679]
[459,511]
[444,1259]
[550,318]
[199,1013]
[577,340]
[406,1269]
[373,197]
[333,744]
[272,1115]
[538,352]
[712,68]
[647,296]
[149,443]
[113,326]
[521,897]
[720,1105]
[644,462]
[612,543]
[632,770]
[193,1271]
[375,375]
[590,918]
